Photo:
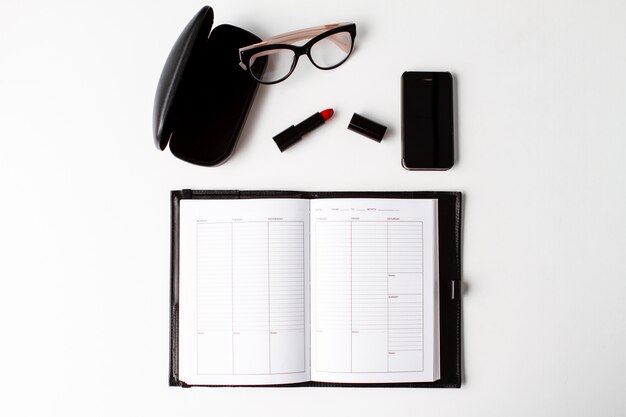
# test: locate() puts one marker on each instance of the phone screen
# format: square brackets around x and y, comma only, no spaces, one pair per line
[427,121]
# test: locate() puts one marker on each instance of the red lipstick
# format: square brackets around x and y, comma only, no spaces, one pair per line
[327,114]
[293,134]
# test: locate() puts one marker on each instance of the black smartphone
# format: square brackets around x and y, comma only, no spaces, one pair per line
[427,121]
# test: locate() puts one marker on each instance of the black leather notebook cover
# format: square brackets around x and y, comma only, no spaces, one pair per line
[449,204]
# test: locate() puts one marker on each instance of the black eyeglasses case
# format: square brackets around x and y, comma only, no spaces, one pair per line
[203,96]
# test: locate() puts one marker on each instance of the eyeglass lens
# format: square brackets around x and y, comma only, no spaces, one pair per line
[279,63]
[332,50]
[326,53]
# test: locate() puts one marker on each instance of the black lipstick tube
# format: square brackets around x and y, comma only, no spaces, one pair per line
[293,134]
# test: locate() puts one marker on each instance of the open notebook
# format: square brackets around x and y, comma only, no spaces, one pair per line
[272,291]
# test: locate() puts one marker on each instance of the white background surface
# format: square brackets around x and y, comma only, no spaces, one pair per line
[84,238]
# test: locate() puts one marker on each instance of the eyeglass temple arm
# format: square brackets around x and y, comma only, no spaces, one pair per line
[297,35]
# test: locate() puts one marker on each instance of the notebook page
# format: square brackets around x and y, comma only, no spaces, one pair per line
[373,293]
[244,291]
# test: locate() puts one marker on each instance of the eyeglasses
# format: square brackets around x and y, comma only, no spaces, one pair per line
[274,59]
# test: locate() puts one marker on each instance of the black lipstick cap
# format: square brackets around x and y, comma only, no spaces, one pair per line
[367,127]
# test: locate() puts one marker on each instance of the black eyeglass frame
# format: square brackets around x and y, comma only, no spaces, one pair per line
[246,53]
